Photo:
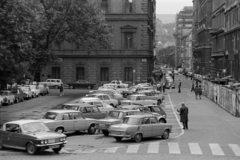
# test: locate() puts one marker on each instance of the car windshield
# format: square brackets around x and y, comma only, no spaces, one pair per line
[115,115]
[131,120]
[69,107]
[34,127]
[50,115]
[156,109]
[3,93]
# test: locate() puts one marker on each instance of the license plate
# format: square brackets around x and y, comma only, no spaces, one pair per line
[51,141]
[55,146]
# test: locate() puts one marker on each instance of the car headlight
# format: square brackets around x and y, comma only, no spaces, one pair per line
[44,141]
[62,139]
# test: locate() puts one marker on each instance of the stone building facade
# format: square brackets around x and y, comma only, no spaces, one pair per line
[129,59]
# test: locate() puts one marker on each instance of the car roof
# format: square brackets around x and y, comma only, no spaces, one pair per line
[134,106]
[141,115]
[79,104]
[98,94]
[63,111]
[23,121]
[137,95]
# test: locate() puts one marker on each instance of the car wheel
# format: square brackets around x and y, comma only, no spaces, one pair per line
[91,129]
[31,149]
[57,150]
[1,145]
[59,130]
[56,87]
[162,120]
[138,137]
[165,134]
[105,132]
[118,138]
[71,87]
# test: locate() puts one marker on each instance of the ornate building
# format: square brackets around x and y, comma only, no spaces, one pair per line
[130,58]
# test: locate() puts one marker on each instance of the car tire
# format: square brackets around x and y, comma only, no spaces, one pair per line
[71,87]
[165,134]
[1,145]
[105,132]
[138,137]
[59,130]
[57,150]
[91,129]
[31,149]
[118,139]
[161,120]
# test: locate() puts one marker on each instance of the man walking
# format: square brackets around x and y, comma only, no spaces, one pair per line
[196,91]
[184,115]
[61,90]
[192,88]
[179,85]
[200,91]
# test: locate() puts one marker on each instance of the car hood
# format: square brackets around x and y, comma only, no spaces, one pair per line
[112,121]
[46,135]
[46,120]
[120,127]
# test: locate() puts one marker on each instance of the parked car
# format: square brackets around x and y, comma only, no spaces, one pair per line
[81,84]
[121,88]
[118,82]
[152,95]
[30,135]
[1,100]
[113,117]
[87,110]
[105,98]
[103,107]
[28,94]
[139,99]
[137,127]
[55,83]
[34,89]
[157,109]
[116,94]
[68,120]
[19,95]
[43,89]
[147,110]
[8,97]
[109,85]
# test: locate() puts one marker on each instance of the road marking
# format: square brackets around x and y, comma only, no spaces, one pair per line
[235,148]
[111,150]
[195,148]
[216,149]
[174,148]
[132,149]
[153,147]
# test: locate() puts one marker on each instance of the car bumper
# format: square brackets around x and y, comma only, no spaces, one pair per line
[122,136]
[52,144]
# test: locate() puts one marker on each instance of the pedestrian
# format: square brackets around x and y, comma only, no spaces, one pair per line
[170,87]
[61,90]
[173,76]
[200,91]
[196,91]
[183,112]
[179,85]
[192,88]
[163,87]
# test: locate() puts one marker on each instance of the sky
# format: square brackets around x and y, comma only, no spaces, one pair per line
[171,6]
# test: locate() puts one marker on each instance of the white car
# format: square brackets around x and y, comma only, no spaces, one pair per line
[121,88]
[7,96]
[56,83]
[36,91]
[118,82]
[1,100]
[105,98]
[116,94]
[103,107]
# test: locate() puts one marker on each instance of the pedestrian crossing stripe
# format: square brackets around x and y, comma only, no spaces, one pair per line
[173,148]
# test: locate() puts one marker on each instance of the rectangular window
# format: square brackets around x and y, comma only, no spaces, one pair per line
[80,73]
[129,6]
[128,74]
[104,5]
[56,72]
[128,40]
[104,71]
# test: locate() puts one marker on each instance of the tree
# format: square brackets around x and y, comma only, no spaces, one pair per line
[166,55]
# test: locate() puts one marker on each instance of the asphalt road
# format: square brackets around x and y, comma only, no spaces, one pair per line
[213,133]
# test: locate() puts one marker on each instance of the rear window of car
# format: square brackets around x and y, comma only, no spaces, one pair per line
[50,115]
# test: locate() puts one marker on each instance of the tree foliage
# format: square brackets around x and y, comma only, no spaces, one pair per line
[166,56]
[30,28]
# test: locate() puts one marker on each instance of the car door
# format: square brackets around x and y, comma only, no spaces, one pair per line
[80,123]
[156,128]
[14,135]
[67,122]
[97,114]
[146,127]
[86,111]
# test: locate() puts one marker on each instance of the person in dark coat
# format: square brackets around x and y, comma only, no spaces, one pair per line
[196,91]
[61,90]
[192,88]
[183,112]
[179,86]
[200,91]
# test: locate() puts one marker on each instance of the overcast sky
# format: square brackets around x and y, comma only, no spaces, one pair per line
[171,6]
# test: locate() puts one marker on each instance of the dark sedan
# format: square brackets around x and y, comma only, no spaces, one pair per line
[81,84]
